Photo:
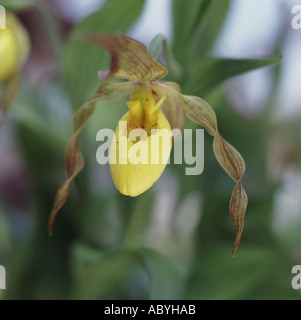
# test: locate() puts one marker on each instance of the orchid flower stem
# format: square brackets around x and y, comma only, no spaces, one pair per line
[138,220]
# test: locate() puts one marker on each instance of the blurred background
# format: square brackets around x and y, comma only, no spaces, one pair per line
[174,241]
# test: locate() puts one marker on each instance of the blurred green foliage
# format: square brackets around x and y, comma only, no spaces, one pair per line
[104,244]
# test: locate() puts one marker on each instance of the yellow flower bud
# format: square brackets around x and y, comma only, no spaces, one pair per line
[14,47]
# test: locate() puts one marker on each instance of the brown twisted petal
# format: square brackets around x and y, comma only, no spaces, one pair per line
[129,59]
[230,160]
[74,159]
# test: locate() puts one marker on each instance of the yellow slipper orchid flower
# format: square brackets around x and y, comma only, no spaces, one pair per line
[134,176]
[153,104]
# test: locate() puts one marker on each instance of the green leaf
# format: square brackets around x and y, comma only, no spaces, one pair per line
[185,19]
[258,273]
[160,42]
[208,29]
[213,71]
[83,60]
[155,45]
[96,273]
[166,277]
[18,5]
[196,28]
[31,110]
